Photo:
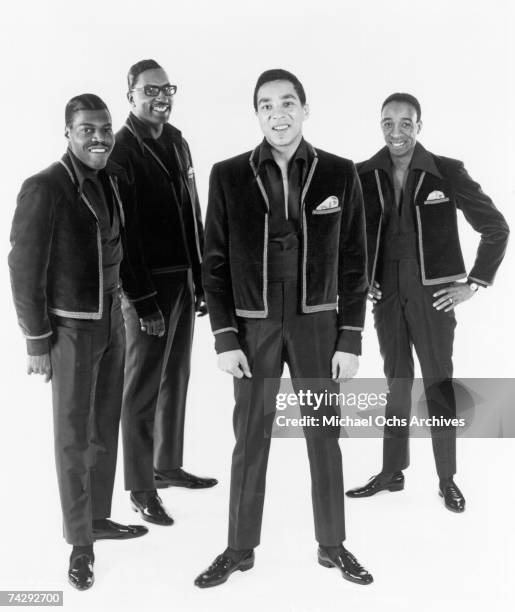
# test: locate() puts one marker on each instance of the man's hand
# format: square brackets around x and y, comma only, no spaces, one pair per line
[40,364]
[451,296]
[200,306]
[153,324]
[344,365]
[374,293]
[234,363]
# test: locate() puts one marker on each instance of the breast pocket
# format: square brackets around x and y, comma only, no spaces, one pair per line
[326,211]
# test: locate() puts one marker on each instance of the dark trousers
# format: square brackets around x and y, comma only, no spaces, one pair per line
[306,342]
[405,317]
[157,372]
[87,382]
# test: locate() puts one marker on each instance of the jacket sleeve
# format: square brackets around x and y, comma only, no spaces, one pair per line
[352,268]
[31,239]
[192,186]
[483,216]
[135,274]
[216,270]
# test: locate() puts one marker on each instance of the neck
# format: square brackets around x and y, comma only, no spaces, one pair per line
[403,162]
[282,155]
[155,130]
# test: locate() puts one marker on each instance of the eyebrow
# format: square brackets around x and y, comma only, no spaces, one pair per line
[285,97]
[390,119]
[93,125]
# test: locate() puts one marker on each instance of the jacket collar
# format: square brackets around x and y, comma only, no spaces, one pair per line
[263,151]
[141,132]
[421,160]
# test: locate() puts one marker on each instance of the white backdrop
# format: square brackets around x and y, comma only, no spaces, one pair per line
[457,58]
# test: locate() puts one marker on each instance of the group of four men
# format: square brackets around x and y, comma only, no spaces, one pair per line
[295,240]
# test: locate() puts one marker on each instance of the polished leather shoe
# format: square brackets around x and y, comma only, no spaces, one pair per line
[109,530]
[180,478]
[346,562]
[222,567]
[376,484]
[452,496]
[80,572]
[151,510]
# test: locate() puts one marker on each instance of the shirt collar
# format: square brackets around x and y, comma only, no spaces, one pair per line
[83,173]
[264,153]
[421,160]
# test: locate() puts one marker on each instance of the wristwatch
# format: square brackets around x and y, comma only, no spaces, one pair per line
[473,286]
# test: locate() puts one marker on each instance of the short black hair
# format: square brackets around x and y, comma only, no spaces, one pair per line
[407,98]
[87,101]
[278,74]
[136,69]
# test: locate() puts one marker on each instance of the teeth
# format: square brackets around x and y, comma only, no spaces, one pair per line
[280,128]
[97,150]
[161,108]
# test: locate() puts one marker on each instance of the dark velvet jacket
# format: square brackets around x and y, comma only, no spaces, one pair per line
[442,187]
[170,223]
[333,249]
[56,256]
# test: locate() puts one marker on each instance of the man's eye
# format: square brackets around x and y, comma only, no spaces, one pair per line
[266,107]
[87,130]
[108,130]
[290,103]
[406,125]
[387,126]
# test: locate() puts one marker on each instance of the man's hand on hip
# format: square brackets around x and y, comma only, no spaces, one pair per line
[451,296]
[344,366]
[40,364]
[153,324]
[200,306]
[234,363]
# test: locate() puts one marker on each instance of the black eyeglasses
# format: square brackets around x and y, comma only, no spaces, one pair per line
[153,90]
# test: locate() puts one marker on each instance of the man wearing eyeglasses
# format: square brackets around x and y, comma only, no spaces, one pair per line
[159,325]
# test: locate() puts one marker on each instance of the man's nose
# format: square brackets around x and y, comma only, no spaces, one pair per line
[396,131]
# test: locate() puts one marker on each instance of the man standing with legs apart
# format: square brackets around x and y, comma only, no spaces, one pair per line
[66,238]
[285,279]
[415,263]
[159,325]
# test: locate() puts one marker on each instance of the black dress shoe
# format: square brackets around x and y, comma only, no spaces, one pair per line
[80,572]
[345,561]
[378,483]
[180,478]
[222,567]
[151,509]
[106,529]
[452,496]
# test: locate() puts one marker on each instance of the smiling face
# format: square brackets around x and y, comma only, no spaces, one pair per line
[152,110]
[400,128]
[281,114]
[90,137]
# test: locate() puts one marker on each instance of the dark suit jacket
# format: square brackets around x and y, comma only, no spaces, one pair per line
[442,187]
[167,210]
[333,267]
[56,256]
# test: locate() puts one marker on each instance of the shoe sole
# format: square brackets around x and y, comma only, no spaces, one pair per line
[164,485]
[81,589]
[392,488]
[149,520]
[128,536]
[244,567]
[455,510]
[331,565]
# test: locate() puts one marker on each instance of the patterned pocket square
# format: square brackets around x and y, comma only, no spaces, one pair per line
[330,202]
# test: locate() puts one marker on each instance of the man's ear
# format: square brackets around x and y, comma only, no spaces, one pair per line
[419,125]
[130,97]
[67,132]
[306,111]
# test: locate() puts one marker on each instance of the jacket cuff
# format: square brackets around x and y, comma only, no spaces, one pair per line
[349,341]
[38,347]
[227,341]
[145,306]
